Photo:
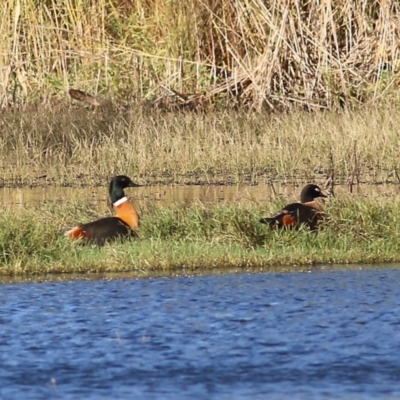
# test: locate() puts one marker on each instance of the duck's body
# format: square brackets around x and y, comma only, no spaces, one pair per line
[106,229]
[308,212]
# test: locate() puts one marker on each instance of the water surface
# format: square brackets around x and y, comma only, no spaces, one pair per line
[316,335]
[17,198]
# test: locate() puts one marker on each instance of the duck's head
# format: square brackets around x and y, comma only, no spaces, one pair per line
[118,184]
[311,192]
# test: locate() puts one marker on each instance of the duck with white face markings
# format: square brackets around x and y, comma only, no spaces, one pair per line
[308,211]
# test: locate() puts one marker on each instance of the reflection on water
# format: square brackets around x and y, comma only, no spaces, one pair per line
[29,197]
[166,194]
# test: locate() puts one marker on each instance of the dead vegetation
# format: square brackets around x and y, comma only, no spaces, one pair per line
[201,54]
[84,146]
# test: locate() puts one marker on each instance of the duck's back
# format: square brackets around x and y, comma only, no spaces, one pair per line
[295,214]
[106,229]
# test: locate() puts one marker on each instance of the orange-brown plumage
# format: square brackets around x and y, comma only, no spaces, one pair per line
[77,233]
[121,226]
[287,220]
[308,212]
[127,213]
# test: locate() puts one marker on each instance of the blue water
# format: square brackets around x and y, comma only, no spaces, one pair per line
[319,335]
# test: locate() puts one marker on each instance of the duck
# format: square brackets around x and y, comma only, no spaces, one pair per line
[308,212]
[122,226]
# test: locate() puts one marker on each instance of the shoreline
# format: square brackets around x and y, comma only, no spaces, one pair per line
[182,272]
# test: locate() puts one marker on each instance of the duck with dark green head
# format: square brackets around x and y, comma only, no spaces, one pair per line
[121,226]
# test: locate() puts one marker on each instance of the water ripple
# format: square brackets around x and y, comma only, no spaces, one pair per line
[299,336]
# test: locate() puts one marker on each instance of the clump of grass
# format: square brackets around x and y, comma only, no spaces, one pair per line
[201,237]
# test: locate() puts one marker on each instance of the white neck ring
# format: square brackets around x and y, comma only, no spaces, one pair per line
[120,201]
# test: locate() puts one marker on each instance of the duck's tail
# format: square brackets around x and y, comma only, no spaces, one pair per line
[75,233]
[268,220]
[282,219]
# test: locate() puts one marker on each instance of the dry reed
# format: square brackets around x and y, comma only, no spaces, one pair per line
[258,52]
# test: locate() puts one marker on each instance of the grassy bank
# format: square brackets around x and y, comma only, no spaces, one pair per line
[265,54]
[200,237]
[78,147]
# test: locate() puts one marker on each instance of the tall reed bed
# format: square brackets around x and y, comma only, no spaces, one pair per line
[276,54]
[80,147]
[201,237]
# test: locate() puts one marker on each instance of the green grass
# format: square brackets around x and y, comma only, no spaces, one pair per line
[200,237]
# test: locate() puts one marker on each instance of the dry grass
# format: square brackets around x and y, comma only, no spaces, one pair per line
[262,53]
[80,147]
